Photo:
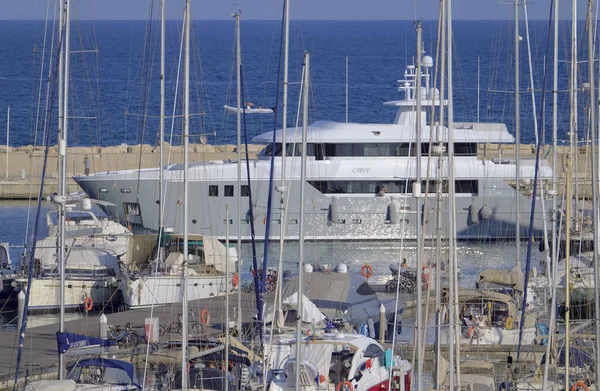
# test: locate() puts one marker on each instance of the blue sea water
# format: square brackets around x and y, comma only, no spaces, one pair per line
[114,84]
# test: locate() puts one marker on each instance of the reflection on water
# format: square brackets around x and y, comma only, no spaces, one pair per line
[473,257]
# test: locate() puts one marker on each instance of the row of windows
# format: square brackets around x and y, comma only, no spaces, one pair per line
[228,191]
[362,187]
[375,187]
[319,151]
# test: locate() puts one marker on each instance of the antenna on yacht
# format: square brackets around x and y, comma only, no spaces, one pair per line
[478,85]
[8,134]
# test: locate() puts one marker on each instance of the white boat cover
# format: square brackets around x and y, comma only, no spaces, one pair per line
[513,278]
[310,312]
[318,355]
[51,385]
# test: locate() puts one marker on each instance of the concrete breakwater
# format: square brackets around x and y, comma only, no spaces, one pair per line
[21,167]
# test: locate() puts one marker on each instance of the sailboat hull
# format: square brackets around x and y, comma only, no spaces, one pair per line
[44,292]
[167,289]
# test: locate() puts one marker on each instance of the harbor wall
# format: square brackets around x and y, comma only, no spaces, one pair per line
[20,174]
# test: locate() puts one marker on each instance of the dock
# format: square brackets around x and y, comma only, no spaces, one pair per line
[40,352]
[21,177]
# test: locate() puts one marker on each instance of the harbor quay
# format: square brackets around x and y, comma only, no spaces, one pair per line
[21,167]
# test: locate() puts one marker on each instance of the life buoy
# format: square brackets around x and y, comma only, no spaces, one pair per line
[236,280]
[366,271]
[470,331]
[204,316]
[345,383]
[580,385]
[88,303]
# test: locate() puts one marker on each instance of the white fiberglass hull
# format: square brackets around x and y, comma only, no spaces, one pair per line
[45,292]
[496,336]
[167,289]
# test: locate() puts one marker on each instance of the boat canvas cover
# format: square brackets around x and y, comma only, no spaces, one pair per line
[51,385]
[215,254]
[513,278]
[67,341]
[340,291]
[116,372]
[310,312]
[318,355]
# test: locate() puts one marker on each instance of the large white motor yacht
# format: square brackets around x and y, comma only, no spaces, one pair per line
[359,181]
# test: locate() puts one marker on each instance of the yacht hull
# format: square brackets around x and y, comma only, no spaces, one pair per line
[45,292]
[167,289]
[327,216]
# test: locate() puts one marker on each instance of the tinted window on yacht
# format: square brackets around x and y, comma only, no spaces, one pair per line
[359,187]
[403,186]
[467,186]
[228,191]
[213,190]
[244,191]
[373,149]
[465,149]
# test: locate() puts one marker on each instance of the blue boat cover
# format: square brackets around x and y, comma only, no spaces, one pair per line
[66,341]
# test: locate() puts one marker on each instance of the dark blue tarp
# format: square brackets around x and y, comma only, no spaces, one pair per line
[67,341]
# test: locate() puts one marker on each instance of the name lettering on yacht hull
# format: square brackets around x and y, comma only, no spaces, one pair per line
[360,170]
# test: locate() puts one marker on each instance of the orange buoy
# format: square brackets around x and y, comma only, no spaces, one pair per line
[470,332]
[366,271]
[580,385]
[343,384]
[204,316]
[88,303]
[236,280]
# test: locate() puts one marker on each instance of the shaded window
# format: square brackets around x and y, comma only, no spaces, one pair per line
[465,149]
[467,186]
[228,191]
[244,191]
[213,190]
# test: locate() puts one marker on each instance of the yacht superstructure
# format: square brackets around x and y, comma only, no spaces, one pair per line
[360,181]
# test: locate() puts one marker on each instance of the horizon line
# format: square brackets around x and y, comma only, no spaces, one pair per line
[299,19]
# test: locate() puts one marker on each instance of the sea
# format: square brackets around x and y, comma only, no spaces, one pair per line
[356,66]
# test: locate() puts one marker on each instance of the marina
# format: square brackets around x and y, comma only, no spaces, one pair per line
[400,241]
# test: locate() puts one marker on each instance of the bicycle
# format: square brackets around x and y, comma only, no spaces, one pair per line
[194,327]
[125,335]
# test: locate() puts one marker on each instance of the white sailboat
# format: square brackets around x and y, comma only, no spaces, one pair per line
[96,248]
[160,284]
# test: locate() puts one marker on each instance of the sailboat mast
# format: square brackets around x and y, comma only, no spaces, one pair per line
[161,216]
[569,196]
[301,222]
[594,143]
[62,187]
[438,285]
[238,65]
[554,247]
[418,194]
[186,141]
[517,143]
[452,209]
[286,49]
